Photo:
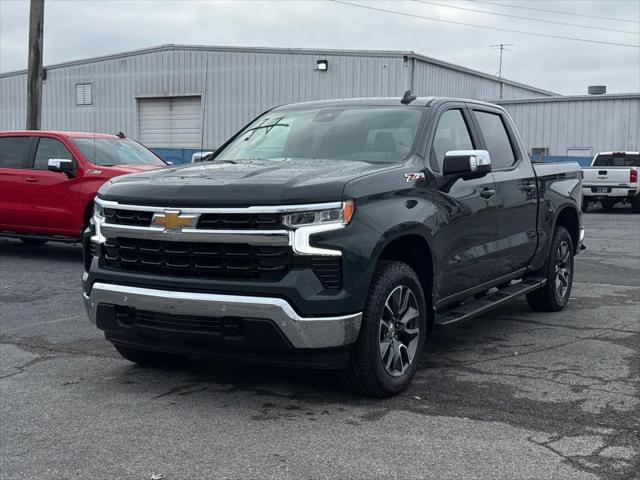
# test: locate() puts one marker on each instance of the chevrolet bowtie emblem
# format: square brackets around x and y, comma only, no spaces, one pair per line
[173,220]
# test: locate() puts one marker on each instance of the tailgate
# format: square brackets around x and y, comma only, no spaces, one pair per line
[606,176]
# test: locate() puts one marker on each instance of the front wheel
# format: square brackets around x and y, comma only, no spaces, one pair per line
[392,334]
[635,204]
[558,273]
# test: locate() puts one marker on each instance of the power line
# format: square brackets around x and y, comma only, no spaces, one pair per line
[527,18]
[572,14]
[547,35]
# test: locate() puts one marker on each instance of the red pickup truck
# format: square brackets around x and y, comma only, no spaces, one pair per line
[48,180]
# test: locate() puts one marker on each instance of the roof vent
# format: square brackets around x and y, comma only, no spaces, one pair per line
[597,89]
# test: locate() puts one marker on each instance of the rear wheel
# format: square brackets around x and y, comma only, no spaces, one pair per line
[145,357]
[33,242]
[392,334]
[558,273]
[585,204]
[635,204]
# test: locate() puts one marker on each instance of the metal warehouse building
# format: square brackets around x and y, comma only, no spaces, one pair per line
[177,98]
[577,127]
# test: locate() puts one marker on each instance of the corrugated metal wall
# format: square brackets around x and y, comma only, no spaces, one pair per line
[599,123]
[436,80]
[240,84]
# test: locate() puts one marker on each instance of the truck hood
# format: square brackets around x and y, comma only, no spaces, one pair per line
[242,183]
[124,169]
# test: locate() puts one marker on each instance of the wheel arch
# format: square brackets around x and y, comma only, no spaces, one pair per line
[569,218]
[413,246]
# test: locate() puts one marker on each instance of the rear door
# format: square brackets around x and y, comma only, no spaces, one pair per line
[517,205]
[467,227]
[51,199]
[14,151]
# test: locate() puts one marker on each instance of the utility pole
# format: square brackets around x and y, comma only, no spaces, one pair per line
[34,74]
[502,48]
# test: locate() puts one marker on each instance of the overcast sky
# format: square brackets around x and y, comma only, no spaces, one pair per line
[76,29]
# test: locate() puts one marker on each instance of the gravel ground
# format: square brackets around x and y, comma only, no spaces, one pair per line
[511,395]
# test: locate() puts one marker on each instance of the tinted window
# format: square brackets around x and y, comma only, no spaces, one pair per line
[13,151]
[617,160]
[451,134]
[496,138]
[365,134]
[50,148]
[107,152]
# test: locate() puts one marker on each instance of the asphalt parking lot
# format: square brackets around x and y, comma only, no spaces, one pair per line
[512,395]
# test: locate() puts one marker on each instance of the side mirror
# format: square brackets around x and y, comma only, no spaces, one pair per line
[61,165]
[466,163]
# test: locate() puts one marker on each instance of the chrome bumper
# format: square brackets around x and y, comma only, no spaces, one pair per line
[302,332]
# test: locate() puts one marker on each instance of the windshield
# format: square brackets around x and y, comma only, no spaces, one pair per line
[107,152]
[368,134]
[617,160]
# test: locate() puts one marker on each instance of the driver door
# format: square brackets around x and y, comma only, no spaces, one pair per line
[467,217]
[50,198]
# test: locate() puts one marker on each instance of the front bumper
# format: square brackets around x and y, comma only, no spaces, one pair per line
[301,332]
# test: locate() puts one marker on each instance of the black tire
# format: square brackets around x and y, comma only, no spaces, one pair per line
[33,242]
[585,204]
[554,296]
[366,373]
[635,204]
[146,358]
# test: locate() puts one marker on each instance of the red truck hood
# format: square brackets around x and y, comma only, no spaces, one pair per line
[124,169]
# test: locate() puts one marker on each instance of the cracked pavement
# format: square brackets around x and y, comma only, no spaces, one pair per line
[514,394]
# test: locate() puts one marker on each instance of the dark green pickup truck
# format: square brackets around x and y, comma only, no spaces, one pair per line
[333,235]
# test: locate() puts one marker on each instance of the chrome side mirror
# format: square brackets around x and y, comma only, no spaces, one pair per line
[61,165]
[466,162]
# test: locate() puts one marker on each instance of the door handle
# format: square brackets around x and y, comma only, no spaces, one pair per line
[529,187]
[487,193]
[31,179]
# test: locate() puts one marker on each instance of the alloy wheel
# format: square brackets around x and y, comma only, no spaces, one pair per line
[399,330]
[563,269]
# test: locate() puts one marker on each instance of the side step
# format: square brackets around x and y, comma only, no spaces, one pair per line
[474,308]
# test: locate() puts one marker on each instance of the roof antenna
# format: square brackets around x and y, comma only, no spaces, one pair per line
[121,135]
[408,97]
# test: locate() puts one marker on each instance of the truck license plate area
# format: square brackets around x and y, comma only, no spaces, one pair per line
[601,189]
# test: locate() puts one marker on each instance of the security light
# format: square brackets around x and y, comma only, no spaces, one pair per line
[322,65]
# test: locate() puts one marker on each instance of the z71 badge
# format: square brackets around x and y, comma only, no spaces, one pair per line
[414,177]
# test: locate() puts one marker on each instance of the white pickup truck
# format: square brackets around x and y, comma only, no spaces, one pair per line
[612,178]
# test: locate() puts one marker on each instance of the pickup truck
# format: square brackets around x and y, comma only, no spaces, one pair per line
[612,178]
[333,235]
[48,180]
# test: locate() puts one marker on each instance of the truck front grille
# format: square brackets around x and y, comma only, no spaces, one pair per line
[127,217]
[208,221]
[194,259]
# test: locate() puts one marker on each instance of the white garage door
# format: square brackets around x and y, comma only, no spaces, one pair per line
[170,122]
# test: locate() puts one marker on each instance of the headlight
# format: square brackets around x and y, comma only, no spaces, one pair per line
[341,215]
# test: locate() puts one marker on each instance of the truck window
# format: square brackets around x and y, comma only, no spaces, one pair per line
[50,148]
[451,134]
[496,139]
[616,160]
[13,151]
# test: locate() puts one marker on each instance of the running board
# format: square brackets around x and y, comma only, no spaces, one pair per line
[476,307]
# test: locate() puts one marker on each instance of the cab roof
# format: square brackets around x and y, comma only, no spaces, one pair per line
[380,101]
[59,133]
